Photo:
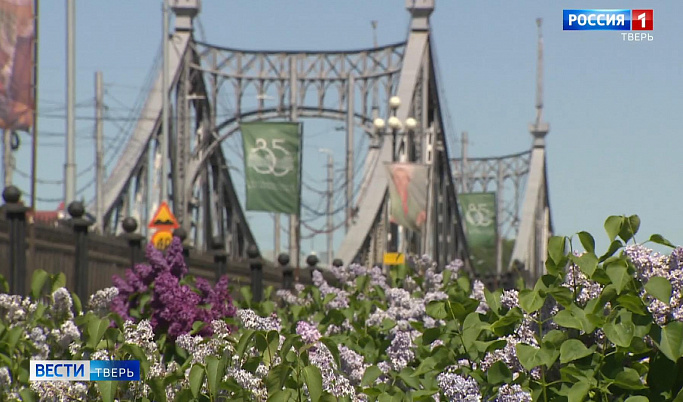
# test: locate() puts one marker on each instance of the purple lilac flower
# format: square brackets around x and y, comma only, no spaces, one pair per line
[339,302]
[251,320]
[400,352]
[174,307]
[308,332]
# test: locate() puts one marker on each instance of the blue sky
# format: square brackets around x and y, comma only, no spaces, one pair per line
[614,107]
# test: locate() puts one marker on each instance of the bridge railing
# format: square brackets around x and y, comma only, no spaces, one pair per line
[89,260]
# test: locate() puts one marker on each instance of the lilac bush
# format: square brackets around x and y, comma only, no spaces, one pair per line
[162,292]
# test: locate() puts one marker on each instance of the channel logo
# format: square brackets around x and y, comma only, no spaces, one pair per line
[608,20]
[85,370]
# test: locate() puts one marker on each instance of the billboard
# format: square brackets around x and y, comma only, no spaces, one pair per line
[17,36]
[408,194]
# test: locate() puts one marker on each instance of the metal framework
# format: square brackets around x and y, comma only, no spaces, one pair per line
[213,89]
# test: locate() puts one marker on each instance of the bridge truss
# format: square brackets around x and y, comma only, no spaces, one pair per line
[351,86]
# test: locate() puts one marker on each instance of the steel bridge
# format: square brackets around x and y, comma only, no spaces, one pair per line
[352,86]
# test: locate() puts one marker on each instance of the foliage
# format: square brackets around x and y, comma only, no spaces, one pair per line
[173,301]
[598,326]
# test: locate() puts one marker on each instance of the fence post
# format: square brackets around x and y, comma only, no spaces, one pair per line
[220,257]
[337,263]
[130,225]
[256,273]
[182,235]
[80,227]
[16,215]
[312,261]
[287,271]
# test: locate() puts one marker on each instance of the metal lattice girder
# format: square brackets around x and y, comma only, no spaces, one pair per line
[133,156]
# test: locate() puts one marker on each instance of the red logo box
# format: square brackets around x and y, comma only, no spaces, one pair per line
[642,20]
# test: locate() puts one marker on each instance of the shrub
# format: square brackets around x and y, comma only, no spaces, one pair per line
[162,292]
[598,326]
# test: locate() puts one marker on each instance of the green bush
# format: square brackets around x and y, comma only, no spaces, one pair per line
[598,326]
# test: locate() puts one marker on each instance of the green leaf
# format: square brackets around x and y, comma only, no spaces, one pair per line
[632,303]
[370,375]
[426,366]
[556,246]
[629,379]
[493,300]
[58,281]
[530,300]
[282,395]
[107,390]
[531,357]
[38,281]
[613,247]
[244,341]
[430,335]
[4,286]
[620,333]
[314,382]
[573,349]
[587,262]
[96,329]
[637,398]
[671,343]
[587,241]
[660,288]
[578,392]
[618,274]
[332,347]
[437,310]
[329,297]
[657,238]
[158,387]
[613,226]
[277,376]
[555,338]
[215,369]
[629,228]
[26,394]
[196,379]
[408,379]
[499,373]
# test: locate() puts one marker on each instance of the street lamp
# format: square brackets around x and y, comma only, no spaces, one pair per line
[397,127]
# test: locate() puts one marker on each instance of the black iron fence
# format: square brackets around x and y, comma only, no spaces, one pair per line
[89,260]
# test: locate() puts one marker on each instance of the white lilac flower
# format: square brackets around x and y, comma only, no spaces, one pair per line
[457,388]
[101,354]
[337,385]
[409,284]
[510,299]
[60,391]
[478,294]
[75,349]
[513,393]
[454,267]
[39,340]
[342,297]
[66,334]
[11,309]
[578,282]
[101,300]
[290,299]
[400,352]
[200,348]
[250,382]
[62,303]
[140,334]
[251,320]
[5,378]
[432,296]
[345,327]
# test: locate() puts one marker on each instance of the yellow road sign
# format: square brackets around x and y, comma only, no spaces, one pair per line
[162,239]
[164,218]
[394,258]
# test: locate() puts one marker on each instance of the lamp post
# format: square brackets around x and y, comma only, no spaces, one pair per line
[397,127]
[330,191]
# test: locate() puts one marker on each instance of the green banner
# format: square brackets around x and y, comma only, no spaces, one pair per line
[479,214]
[272,166]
